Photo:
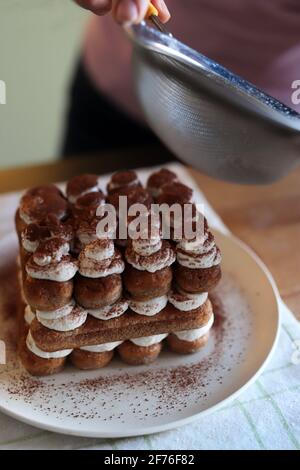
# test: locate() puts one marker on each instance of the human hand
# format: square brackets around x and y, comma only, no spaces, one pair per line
[125,11]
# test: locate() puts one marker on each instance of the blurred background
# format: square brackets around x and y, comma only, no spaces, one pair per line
[38,47]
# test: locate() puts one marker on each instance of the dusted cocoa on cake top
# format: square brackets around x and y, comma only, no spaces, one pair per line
[121,180]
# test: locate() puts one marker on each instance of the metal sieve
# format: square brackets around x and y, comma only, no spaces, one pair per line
[209,117]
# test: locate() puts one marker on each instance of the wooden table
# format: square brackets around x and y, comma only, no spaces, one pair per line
[267,218]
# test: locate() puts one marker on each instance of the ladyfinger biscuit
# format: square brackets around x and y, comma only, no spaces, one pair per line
[36,365]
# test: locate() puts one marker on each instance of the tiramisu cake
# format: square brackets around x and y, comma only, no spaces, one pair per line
[89,293]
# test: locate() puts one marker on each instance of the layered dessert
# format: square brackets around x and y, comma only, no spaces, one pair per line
[91,292]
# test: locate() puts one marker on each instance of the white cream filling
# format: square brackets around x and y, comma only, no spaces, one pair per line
[193,335]
[155,192]
[58,313]
[69,322]
[152,267]
[44,354]
[148,340]
[29,246]
[121,242]
[91,268]
[99,348]
[112,185]
[20,281]
[189,302]
[29,316]
[147,247]
[61,272]
[28,220]
[204,261]
[110,311]
[149,307]
[56,256]
[97,253]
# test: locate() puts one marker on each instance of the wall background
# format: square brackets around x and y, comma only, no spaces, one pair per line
[39,45]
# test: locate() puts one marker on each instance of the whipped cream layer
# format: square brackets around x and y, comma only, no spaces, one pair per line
[86,236]
[158,260]
[149,340]
[154,191]
[81,185]
[89,232]
[193,335]
[149,239]
[20,282]
[61,271]
[123,179]
[99,348]
[158,179]
[146,247]
[28,245]
[58,313]
[186,302]
[99,250]
[198,253]
[25,217]
[30,343]
[65,319]
[110,311]
[29,315]
[51,251]
[149,307]
[72,198]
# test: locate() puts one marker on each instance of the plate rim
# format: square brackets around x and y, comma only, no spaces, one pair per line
[194,417]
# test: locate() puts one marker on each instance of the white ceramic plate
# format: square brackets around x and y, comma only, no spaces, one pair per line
[121,401]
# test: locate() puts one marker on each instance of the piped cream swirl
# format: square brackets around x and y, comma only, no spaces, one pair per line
[29,315]
[65,319]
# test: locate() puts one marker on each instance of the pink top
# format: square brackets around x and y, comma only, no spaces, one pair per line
[257,39]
